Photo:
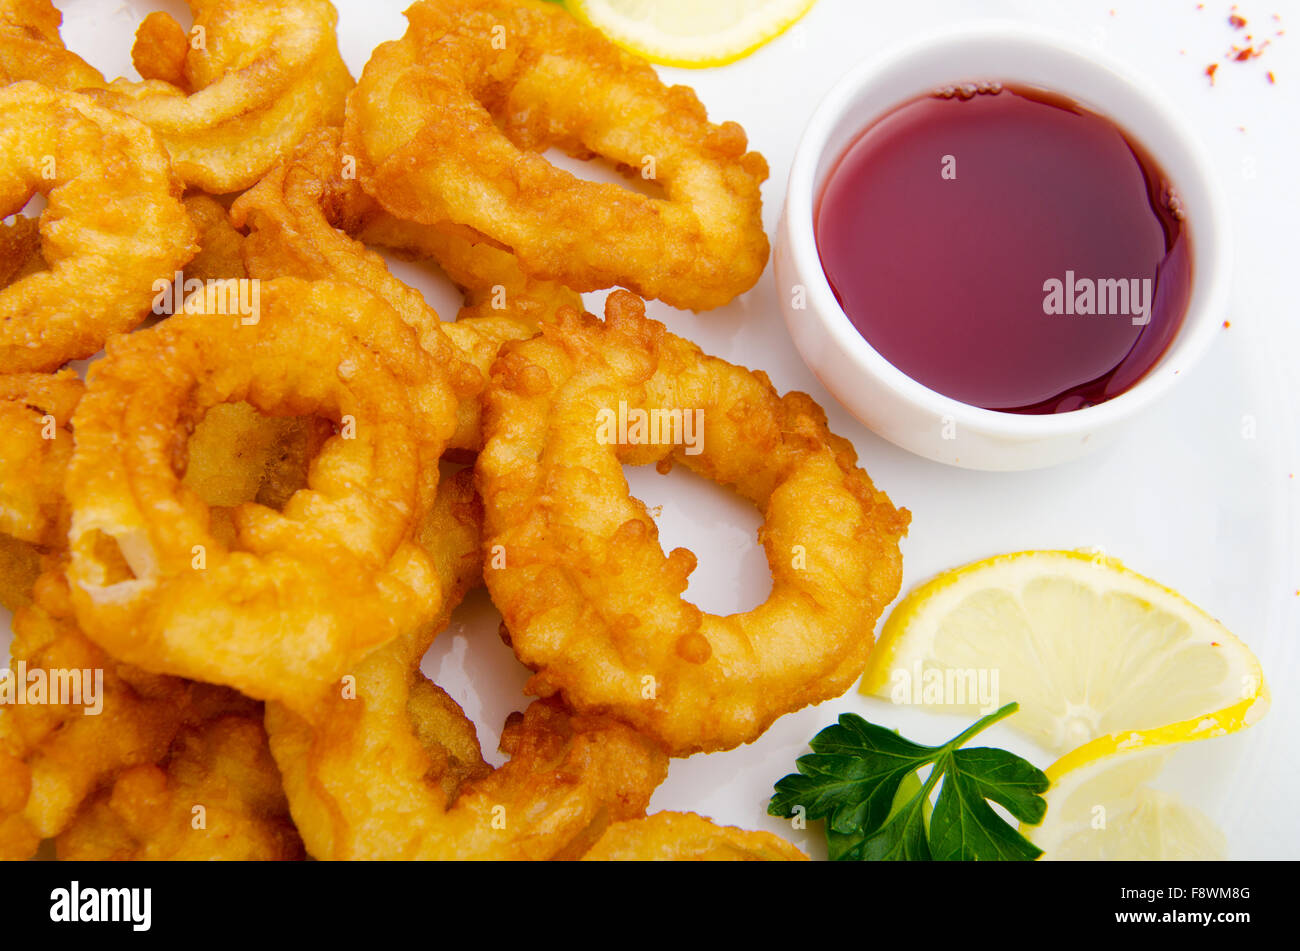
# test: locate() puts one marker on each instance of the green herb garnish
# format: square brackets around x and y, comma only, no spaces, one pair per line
[858,776]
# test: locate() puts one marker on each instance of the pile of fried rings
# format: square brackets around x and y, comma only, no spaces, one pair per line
[248,517]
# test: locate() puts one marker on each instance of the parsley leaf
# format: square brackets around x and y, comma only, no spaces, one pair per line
[848,845]
[862,779]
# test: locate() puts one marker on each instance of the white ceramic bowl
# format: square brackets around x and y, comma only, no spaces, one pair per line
[881,396]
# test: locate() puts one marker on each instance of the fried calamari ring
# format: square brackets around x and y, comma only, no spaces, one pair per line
[396,773]
[308,590]
[382,794]
[216,795]
[590,600]
[31,48]
[114,224]
[54,756]
[265,74]
[423,123]
[684,836]
[236,454]
[306,219]
[35,446]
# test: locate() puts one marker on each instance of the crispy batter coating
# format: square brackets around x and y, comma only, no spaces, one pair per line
[20,566]
[160,49]
[447,121]
[305,591]
[20,249]
[309,219]
[591,601]
[237,455]
[395,773]
[35,447]
[684,836]
[216,795]
[113,225]
[263,73]
[33,406]
[146,794]
[31,48]
[53,756]
[221,246]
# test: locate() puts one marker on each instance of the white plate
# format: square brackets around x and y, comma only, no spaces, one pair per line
[1186,497]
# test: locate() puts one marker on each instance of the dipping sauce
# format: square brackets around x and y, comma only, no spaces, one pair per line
[1007,248]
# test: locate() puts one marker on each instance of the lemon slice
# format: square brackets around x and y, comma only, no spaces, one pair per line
[1100,807]
[691,33]
[1088,649]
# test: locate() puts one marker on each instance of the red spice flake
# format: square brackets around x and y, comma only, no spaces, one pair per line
[1271,80]
[1227,324]
[1242,53]
[1211,70]
[1236,22]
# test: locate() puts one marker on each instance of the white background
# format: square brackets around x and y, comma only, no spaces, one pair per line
[1184,497]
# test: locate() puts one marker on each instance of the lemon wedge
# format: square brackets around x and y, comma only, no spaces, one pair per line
[1100,808]
[690,33]
[1087,647]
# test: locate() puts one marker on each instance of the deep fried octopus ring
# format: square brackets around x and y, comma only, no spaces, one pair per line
[35,445]
[423,123]
[590,600]
[310,589]
[684,836]
[395,773]
[306,220]
[268,73]
[114,224]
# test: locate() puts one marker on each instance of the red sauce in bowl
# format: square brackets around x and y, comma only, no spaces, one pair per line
[1007,248]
